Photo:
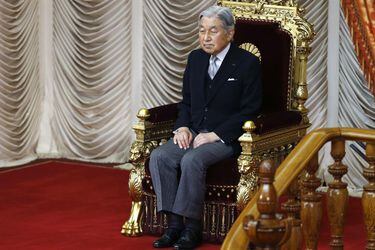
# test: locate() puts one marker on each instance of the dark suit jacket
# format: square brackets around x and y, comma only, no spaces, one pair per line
[234,98]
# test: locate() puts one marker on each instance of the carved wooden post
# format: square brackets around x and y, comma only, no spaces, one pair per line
[368,196]
[292,207]
[337,196]
[311,206]
[267,232]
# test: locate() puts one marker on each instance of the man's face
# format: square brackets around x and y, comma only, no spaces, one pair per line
[213,38]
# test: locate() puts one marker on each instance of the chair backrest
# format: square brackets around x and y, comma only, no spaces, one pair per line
[282,35]
[275,48]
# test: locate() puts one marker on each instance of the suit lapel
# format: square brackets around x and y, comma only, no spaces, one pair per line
[227,67]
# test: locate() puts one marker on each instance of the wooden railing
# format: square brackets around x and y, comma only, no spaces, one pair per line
[262,228]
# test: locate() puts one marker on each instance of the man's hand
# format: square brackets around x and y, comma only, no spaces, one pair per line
[204,138]
[183,137]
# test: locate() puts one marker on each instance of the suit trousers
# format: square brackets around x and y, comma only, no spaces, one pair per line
[184,196]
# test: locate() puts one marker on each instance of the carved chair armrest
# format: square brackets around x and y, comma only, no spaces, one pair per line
[269,122]
[156,123]
[272,130]
[163,113]
[269,136]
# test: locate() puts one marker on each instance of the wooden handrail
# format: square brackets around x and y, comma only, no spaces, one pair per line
[289,169]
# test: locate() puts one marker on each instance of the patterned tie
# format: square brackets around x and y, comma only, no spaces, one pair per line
[212,69]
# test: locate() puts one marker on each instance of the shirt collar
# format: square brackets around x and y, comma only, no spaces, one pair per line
[223,53]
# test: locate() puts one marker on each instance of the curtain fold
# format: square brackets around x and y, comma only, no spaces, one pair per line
[317,82]
[317,14]
[20,90]
[356,106]
[91,92]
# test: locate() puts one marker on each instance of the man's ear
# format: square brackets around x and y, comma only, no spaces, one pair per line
[230,35]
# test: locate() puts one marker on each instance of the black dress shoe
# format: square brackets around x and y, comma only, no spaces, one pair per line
[169,237]
[189,239]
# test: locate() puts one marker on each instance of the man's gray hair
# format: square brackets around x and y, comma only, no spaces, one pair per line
[223,13]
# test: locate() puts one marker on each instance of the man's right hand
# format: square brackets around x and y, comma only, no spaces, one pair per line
[183,137]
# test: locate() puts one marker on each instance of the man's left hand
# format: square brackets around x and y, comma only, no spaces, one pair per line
[204,138]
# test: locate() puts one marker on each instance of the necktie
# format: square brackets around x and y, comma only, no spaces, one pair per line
[212,69]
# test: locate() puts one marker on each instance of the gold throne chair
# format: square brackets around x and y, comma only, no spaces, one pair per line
[276,32]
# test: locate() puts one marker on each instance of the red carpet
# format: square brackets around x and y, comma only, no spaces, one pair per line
[354,231]
[70,205]
[56,205]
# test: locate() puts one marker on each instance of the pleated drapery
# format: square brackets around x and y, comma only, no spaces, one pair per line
[20,90]
[356,106]
[92,75]
[317,14]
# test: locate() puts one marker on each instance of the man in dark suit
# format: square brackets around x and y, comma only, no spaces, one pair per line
[221,90]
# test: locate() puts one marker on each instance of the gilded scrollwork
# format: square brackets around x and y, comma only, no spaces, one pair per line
[247,162]
[135,151]
[275,2]
[137,172]
[301,93]
[132,227]
[266,142]
[247,186]
[148,136]
[259,5]
[305,29]
[286,12]
[135,184]
[153,131]
[261,9]
[141,150]
[303,51]
[275,147]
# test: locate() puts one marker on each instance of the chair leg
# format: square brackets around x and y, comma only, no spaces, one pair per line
[133,226]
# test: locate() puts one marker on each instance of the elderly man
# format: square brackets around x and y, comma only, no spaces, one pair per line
[221,90]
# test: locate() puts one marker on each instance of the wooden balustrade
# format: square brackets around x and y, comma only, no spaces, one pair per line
[292,208]
[270,231]
[311,206]
[368,196]
[337,195]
